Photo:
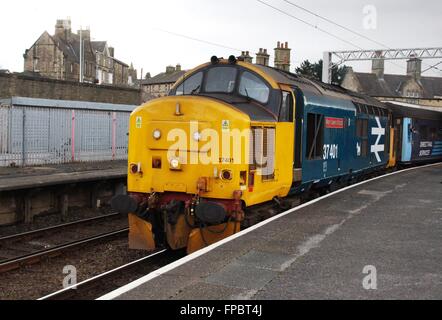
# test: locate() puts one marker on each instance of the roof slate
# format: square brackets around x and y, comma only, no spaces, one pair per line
[391,84]
[164,77]
[98,45]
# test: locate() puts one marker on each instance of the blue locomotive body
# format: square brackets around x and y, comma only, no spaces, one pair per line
[341,139]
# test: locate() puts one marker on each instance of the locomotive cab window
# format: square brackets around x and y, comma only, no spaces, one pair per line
[190,85]
[253,87]
[221,80]
[315,136]
[286,109]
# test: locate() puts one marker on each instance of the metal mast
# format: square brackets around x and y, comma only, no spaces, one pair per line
[81,55]
[380,54]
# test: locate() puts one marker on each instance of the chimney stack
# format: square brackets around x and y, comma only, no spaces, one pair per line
[245,56]
[282,56]
[414,68]
[262,57]
[170,69]
[378,64]
[63,28]
[178,67]
[85,34]
[112,52]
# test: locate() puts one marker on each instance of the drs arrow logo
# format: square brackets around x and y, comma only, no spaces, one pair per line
[379,131]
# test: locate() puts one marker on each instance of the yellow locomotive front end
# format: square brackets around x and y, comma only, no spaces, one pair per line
[174,157]
[197,161]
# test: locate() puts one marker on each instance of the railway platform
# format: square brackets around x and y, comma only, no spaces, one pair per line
[28,191]
[19,178]
[380,239]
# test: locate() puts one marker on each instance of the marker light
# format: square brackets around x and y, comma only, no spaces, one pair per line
[175,164]
[156,134]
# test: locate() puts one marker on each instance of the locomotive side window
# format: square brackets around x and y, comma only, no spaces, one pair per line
[221,80]
[423,132]
[315,136]
[286,109]
[191,85]
[253,87]
[433,133]
[362,134]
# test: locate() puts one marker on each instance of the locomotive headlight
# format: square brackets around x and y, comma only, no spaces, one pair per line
[197,136]
[226,175]
[156,134]
[175,164]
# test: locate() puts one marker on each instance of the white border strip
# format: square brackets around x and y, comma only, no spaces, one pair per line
[116,293]
[73,287]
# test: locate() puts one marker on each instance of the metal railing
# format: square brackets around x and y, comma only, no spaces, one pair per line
[36,135]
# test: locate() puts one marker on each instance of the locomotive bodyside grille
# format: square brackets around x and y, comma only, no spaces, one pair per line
[262,151]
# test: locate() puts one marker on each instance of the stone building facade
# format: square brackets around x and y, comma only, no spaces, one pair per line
[58,57]
[120,72]
[410,88]
[104,62]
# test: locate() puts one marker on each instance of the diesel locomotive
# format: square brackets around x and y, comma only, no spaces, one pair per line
[232,137]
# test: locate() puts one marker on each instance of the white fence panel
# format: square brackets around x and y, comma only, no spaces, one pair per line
[37,135]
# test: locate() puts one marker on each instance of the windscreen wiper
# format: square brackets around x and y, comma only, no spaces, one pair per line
[195,90]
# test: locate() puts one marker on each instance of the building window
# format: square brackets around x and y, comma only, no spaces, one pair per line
[315,136]
[35,64]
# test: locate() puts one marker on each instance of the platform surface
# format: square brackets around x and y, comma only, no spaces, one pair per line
[320,251]
[20,178]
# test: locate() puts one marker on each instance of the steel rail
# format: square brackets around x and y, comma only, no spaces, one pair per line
[34,257]
[57,227]
[77,289]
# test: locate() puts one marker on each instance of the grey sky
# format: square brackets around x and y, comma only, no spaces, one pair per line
[133,28]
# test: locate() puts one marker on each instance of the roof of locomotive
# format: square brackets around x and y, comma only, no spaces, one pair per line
[318,87]
[313,90]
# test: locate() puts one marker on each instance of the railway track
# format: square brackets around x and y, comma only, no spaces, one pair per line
[24,235]
[101,284]
[94,287]
[15,263]
[25,243]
